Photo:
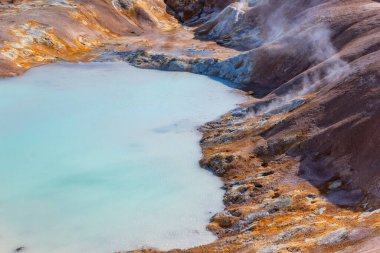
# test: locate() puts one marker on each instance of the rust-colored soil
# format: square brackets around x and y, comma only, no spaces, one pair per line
[301,158]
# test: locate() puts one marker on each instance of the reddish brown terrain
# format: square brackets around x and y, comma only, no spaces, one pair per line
[301,158]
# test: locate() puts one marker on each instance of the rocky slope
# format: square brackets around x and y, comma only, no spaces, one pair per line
[300,159]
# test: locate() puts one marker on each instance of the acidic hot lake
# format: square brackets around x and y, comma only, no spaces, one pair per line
[102,157]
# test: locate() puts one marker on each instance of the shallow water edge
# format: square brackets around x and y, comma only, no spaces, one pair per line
[66,103]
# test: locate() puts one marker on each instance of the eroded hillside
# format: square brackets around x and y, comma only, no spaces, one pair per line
[300,159]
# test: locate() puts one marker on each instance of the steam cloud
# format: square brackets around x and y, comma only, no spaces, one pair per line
[318,40]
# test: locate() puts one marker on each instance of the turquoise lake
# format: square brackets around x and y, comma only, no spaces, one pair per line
[102,157]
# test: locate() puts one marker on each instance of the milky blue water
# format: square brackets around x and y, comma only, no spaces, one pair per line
[102,157]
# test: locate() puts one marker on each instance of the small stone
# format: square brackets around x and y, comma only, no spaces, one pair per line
[236,194]
[177,65]
[334,237]
[320,211]
[250,228]
[239,113]
[224,219]
[265,174]
[270,249]
[311,197]
[335,185]
[366,214]
[280,203]
[230,159]
[219,164]
[293,233]
[20,249]
[252,217]
[294,249]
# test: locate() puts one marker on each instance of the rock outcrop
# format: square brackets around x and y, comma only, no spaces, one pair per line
[193,10]
[300,159]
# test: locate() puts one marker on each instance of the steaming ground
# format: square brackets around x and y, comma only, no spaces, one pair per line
[300,159]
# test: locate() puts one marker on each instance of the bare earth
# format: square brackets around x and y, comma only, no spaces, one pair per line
[301,158]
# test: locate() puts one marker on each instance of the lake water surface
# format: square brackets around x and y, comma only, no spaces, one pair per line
[102,157]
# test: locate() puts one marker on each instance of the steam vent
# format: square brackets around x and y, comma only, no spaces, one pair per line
[194,126]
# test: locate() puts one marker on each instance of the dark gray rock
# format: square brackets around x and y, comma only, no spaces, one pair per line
[346,198]
[334,237]
[293,233]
